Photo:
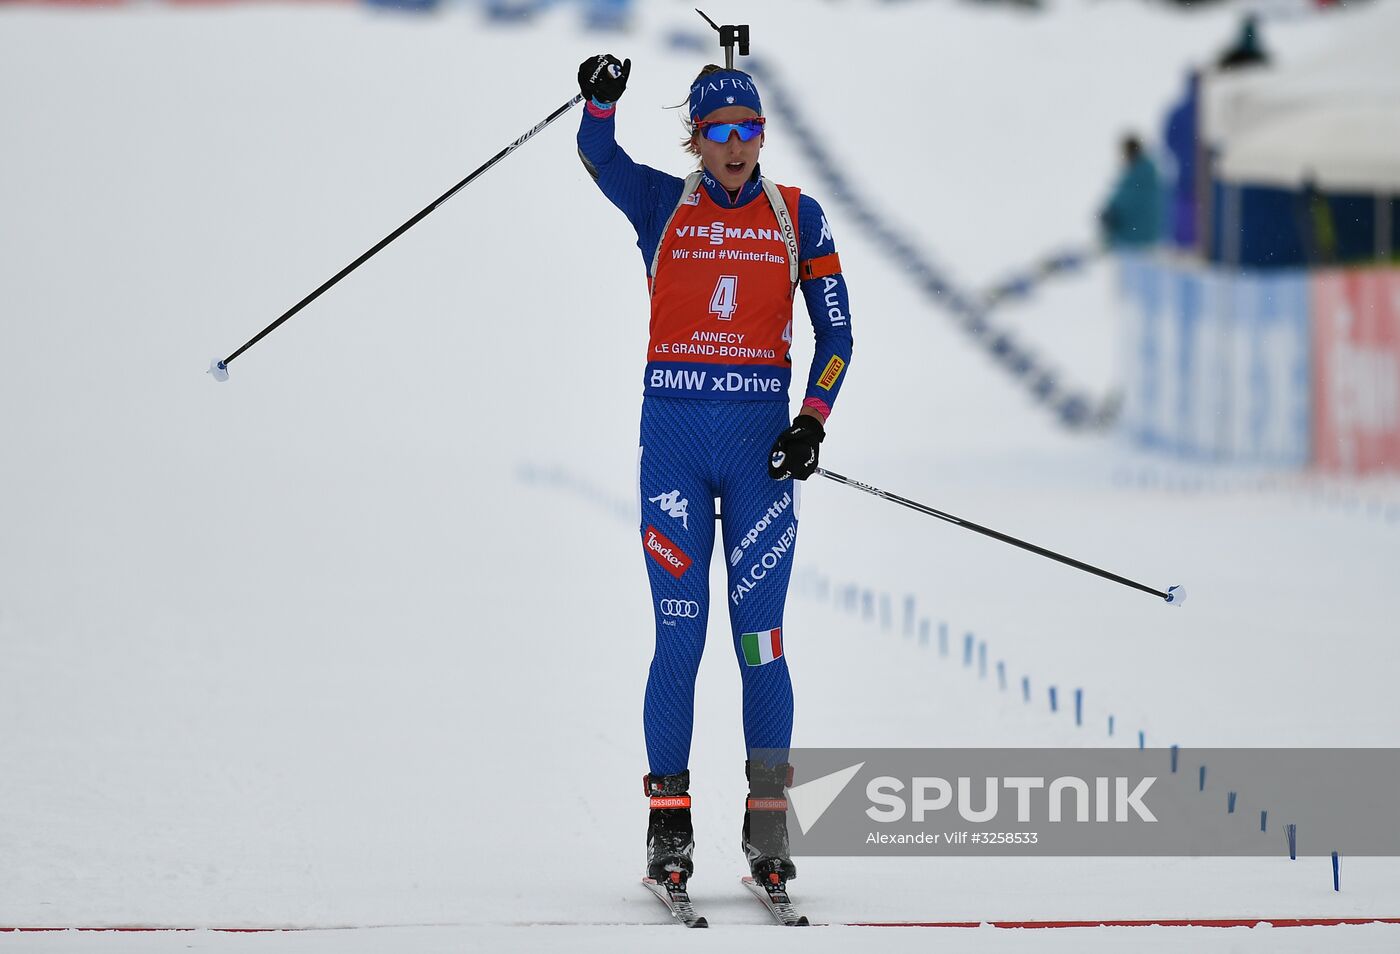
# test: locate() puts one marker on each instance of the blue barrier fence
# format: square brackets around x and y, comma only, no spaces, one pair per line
[1218,364]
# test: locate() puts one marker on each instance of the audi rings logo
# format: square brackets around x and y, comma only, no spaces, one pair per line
[685,609]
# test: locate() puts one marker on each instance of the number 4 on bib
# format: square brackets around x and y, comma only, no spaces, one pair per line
[725,301]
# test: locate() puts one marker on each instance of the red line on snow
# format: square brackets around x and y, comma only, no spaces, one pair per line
[1157,922]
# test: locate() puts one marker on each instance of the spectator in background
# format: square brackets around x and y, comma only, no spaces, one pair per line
[1247,50]
[1132,217]
[1316,224]
[1182,142]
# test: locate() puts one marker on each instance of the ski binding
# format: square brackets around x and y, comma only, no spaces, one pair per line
[775,898]
[677,900]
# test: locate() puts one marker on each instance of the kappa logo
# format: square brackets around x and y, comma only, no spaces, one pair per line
[675,505]
[826,233]
[671,558]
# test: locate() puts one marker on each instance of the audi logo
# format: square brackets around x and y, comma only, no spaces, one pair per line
[686,609]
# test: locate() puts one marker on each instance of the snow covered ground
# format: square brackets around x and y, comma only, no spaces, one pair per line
[359,637]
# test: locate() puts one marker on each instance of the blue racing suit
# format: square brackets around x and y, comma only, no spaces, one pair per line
[715,398]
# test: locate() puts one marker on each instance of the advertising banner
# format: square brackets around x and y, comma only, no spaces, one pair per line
[1356,379]
[1218,365]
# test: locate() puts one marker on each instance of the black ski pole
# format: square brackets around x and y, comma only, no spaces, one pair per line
[1175,595]
[219,369]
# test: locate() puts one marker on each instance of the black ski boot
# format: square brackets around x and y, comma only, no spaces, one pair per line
[765,824]
[670,837]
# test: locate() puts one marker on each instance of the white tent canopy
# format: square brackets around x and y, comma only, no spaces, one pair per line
[1334,119]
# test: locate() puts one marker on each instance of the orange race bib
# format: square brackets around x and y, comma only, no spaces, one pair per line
[721,303]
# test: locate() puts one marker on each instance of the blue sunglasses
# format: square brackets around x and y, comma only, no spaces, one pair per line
[719,132]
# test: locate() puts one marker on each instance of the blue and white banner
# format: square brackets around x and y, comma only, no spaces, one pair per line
[1217,365]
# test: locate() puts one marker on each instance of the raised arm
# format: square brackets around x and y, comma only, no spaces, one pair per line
[643,194]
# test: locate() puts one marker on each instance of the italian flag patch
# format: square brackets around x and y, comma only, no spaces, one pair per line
[760,648]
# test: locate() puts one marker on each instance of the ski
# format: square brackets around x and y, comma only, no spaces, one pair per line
[677,901]
[775,899]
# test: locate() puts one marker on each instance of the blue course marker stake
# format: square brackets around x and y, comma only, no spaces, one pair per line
[1202,786]
[1079,707]
[1230,803]
[1174,754]
[1110,725]
[923,632]
[1026,688]
[1336,872]
[886,614]
[1001,674]
[1054,701]
[1291,830]
[867,604]
[909,615]
[1263,821]
[942,639]
[1142,739]
[967,649]
[981,660]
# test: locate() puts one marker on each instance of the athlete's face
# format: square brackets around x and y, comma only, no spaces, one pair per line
[730,162]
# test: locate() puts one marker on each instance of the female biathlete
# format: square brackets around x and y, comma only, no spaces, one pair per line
[725,251]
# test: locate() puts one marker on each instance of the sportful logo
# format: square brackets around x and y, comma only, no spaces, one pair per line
[673,504]
[671,558]
[685,609]
[774,511]
[773,556]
